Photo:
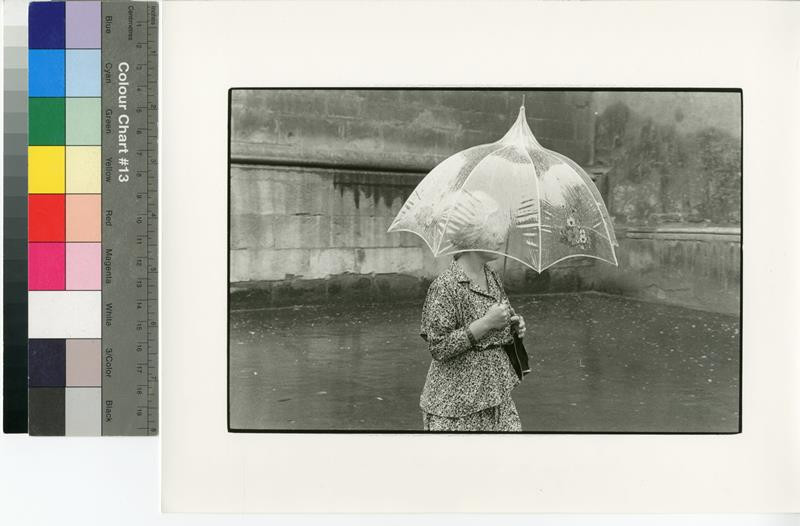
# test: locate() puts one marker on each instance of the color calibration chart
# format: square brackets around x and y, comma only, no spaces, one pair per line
[92,218]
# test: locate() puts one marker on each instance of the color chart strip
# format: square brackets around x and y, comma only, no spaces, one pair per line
[15,213]
[64,211]
[92,218]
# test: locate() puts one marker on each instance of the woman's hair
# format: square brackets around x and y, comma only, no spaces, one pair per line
[476,221]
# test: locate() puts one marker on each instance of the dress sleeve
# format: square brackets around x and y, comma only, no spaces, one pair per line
[440,327]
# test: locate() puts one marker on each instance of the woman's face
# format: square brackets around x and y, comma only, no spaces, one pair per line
[495,237]
[494,241]
[488,256]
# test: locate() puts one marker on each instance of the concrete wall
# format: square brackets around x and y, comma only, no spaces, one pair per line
[307,234]
[671,176]
[318,176]
[691,267]
[695,267]
[669,157]
[395,130]
[687,111]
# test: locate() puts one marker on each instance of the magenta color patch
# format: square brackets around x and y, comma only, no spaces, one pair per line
[83,266]
[46,266]
[83,26]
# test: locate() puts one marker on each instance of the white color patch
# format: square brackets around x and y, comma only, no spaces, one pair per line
[64,314]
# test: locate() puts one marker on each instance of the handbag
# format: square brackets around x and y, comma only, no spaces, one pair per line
[517,355]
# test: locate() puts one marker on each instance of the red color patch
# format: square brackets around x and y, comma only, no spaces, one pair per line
[46,217]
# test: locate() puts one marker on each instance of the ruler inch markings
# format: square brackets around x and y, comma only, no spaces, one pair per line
[130,234]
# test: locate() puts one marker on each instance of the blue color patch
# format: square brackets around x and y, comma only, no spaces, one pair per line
[46,25]
[83,72]
[45,73]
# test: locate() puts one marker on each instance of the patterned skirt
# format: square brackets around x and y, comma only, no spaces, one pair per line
[503,417]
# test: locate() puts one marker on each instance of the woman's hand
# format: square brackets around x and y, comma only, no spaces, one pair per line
[518,322]
[497,316]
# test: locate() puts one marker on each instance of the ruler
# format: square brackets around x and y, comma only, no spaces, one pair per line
[130,218]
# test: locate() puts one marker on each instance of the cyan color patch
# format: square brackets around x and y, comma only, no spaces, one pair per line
[46,73]
[83,72]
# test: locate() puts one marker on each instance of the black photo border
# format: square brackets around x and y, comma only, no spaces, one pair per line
[481,88]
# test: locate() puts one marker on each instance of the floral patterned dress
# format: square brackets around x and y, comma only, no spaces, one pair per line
[468,388]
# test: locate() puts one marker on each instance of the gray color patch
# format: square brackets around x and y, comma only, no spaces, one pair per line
[82,411]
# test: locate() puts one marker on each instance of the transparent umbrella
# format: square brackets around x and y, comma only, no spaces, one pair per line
[554,209]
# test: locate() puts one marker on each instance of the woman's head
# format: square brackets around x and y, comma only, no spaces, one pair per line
[477,222]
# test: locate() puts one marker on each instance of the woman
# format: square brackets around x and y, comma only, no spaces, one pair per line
[465,320]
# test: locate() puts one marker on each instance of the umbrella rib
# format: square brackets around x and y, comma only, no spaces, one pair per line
[416,234]
[494,252]
[582,256]
[538,202]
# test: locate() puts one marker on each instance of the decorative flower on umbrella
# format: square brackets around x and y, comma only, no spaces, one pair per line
[572,233]
[554,207]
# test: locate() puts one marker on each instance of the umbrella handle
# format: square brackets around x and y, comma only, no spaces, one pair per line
[505,255]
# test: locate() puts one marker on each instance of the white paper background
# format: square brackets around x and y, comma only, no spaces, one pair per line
[210,47]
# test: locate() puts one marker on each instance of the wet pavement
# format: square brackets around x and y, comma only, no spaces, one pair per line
[599,363]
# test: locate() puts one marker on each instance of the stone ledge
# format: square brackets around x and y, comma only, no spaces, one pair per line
[245,168]
[681,233]
[342,160]
[387,287]
[373,288]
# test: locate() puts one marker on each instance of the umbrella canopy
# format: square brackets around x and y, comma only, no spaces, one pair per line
[552,206]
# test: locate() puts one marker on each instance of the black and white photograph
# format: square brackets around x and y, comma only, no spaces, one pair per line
[490,260]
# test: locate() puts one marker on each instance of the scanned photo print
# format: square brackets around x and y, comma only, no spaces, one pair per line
[484,260]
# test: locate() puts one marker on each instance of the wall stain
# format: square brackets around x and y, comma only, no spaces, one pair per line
[382,190]
[660,175]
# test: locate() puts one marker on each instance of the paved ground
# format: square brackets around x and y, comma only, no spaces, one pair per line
[600,363]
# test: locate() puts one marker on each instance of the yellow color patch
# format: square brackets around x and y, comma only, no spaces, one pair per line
[45,169]
[83,169]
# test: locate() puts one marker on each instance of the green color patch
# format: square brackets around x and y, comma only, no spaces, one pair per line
[46,121]
[84,122]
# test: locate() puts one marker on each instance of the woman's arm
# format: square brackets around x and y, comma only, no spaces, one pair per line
[449,345]
[440,325]
[516,320]
[440,328]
